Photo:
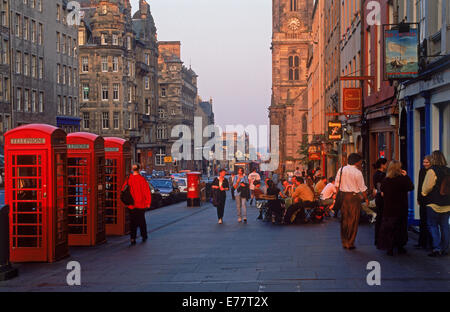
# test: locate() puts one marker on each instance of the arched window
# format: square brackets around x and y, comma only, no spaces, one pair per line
[293,5]
[294,68]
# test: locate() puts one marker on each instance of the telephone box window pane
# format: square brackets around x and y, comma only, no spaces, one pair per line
[77,195]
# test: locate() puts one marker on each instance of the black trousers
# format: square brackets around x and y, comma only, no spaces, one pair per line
[424,236]
[220,208]
[379,201]
[233,197]
[137,220]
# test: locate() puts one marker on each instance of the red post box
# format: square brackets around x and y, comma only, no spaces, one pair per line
[117,167]
[86,188]
[35,189]
[193,194]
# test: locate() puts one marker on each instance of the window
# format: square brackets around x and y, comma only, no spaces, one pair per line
[115,64]
[26,64]
[26,100]
[41,68]
[115,40]
[294,68]
[69,106]
[104,63]
[18,25]
[18,62]
[41,102]
[293,5]
[85,64]
[160,156]
[39,5]
[64,105]
[33,101]
[58,73]
[5,53]
[33,66]
[148,107]
[33,31]
[85,92]
[105,120]
[70,76]
[147,83]
[116,120]
[116,87]
[58,42]
[130,94]
[58,12]
[129,47]
[64,44]
[59,108]
[162,113]
[163,92]
[26,28]
[19,99]
[104,92]
[86,120]
[40,34]
[103,38]
[161,132]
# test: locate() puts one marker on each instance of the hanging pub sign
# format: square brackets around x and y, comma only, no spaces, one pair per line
[401,56]
[335,130]
[352,99]
[314,152]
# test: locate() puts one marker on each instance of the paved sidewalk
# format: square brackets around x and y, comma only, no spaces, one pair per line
[189,251]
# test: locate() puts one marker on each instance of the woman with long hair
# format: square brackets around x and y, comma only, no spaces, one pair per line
[436,185]
[275,203]
[424,235]
[220,187]
[380,173]
[394,227]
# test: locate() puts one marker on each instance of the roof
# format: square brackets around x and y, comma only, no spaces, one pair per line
[85,135]
[43,128]
[115,140]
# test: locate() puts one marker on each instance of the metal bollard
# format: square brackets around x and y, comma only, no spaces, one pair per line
[6,270]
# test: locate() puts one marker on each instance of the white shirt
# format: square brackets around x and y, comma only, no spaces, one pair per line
[328,191]
[352,180]
[252,177]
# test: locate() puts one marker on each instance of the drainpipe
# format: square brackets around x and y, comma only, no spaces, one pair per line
[364,125]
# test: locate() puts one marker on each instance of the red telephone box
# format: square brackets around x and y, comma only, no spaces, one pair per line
[193,194]
[86,184]
[35,189]
[117,167]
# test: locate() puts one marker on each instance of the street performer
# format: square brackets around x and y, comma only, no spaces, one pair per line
[353,188]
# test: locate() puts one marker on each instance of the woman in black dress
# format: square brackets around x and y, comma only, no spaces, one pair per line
[379,175]
[424,235]
[394,227]
[220,187]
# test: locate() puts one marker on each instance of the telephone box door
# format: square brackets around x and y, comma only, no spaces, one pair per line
[28,198]
[78,193]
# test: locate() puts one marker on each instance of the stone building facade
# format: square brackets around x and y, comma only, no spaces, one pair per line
[44,61]
[290,44]
[5,68]
[118,73]
[177,105]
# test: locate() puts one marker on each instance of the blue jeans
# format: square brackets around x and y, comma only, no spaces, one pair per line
[439,229]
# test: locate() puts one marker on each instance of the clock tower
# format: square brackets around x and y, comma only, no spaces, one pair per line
[291,39]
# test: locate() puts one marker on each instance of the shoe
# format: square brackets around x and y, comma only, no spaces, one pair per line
[374,218]
[239,219]
[245,220]
[401,250]
[220,221]
[435,254]
[259,217]
[133,242]
[351,247]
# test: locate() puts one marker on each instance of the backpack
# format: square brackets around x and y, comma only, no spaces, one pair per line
[445,184]
[125,195]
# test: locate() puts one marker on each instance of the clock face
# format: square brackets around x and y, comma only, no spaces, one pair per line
[294,24]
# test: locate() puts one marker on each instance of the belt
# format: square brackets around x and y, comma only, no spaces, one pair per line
[353,193]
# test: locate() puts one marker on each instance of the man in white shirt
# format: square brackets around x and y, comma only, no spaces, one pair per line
[252,177]
[328,193]
[352,186]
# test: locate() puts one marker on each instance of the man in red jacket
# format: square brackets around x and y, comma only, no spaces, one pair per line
[142,197]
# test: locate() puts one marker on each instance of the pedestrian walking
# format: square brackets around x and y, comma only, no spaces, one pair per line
[233,197]
[437,186]
[140,191]
[220,187]
[252,177]
[380,173]
[394,226]
[242,193]
[353,189]
[424,235]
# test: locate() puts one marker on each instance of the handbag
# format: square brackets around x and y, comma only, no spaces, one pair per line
[125,195]
[339,196]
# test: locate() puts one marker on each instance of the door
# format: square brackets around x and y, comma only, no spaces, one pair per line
[78,194]
[111,190]
[101,225]
[29,206]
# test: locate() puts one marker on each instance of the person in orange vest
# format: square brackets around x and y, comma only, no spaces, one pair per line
[142,196]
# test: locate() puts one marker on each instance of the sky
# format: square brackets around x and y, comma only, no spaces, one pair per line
[227,43]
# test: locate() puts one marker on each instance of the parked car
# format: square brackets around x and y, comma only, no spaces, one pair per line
[157,200]
[182,186]
[168,189]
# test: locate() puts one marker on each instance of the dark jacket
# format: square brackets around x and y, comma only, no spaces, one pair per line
[395,191]
[435,195]
[221,195]
[420,198]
